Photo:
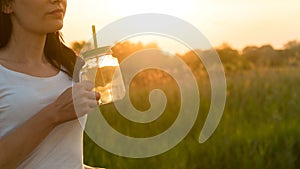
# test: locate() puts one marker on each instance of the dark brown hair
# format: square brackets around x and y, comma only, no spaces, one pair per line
[56,52]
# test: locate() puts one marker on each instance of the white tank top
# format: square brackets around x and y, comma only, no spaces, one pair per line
[21,97]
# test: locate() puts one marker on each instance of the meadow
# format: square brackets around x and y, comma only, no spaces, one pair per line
[259,128]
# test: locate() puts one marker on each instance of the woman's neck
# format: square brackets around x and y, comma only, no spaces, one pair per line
[25,54]
[26,47]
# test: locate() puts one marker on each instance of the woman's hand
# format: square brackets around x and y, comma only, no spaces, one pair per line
[75,102]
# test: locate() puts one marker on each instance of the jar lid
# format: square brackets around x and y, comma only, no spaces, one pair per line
[96,52]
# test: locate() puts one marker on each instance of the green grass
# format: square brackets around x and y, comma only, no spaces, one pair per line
[259,128]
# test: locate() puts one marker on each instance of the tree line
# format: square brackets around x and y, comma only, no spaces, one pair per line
[233,60]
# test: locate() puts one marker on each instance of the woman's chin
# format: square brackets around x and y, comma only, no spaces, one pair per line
[54,27]
[59,26]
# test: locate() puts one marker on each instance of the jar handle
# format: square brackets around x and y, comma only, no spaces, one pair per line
[82,76]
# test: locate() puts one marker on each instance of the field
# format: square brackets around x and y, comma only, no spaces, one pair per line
[259,129]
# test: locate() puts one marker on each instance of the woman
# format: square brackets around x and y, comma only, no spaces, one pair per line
[38,123]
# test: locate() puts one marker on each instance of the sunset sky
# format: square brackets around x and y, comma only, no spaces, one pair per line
[237,22]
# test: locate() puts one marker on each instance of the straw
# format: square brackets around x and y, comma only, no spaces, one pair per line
[94,36]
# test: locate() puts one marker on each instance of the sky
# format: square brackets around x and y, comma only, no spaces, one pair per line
[239,23]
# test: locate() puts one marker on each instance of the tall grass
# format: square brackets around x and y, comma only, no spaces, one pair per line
[259,128]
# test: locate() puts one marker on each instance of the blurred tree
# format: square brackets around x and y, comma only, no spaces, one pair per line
[231,58]
[124,49]
[250,53]
[77,46]
[292,51]
[268,56]
[191,58]
[264,56]
[293,44]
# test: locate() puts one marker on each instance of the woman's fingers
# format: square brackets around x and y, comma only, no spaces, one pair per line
[85,99]
[98,96]
[80,98]
[87,85]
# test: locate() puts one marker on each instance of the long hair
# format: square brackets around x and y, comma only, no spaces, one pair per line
[56,52]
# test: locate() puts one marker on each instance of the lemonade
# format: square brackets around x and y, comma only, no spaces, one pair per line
[107,78]
[103,83]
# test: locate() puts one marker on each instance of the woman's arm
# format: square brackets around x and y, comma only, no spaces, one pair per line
[19,143]
[22,141]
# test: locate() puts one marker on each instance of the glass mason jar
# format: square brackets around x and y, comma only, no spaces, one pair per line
[103,69]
